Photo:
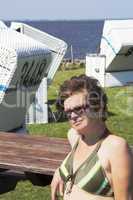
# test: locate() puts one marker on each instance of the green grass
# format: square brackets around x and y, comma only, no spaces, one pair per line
[26,191]
[52,129]
[120,122]
[121,107]
[59,78]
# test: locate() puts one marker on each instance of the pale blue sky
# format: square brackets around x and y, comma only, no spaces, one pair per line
[65,9]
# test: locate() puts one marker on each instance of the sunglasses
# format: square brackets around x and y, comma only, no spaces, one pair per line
[79,110]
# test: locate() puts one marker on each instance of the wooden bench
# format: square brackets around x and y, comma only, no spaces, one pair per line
[24,156]
[35,158]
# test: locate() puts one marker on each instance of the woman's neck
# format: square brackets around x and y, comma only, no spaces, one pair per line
[94,133]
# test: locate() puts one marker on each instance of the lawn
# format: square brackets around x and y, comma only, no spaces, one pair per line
[120,121]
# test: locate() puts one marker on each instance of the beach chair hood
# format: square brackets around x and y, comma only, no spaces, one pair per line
[27,55]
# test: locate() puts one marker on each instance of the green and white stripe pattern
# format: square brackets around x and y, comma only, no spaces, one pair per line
[89,176]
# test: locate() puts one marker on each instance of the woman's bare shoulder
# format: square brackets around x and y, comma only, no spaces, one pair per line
[116,145]
[115,140]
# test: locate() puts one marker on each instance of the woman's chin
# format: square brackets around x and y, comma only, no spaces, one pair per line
[79,128]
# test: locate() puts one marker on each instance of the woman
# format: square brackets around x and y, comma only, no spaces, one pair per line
[99,165]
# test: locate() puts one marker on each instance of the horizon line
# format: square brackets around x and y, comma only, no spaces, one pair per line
[91,19]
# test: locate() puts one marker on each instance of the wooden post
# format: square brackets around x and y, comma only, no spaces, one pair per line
[72,54]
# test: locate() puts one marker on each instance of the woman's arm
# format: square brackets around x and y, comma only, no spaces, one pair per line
[122,170]
[57,186]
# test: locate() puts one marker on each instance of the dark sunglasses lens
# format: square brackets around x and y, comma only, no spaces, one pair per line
[78,111]
[68,115]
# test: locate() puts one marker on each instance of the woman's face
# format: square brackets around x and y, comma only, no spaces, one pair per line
[77,111]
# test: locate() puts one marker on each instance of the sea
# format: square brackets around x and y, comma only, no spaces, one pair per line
[82,36]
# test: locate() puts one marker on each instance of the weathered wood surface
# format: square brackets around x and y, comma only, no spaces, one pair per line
[35,154]
[35,158]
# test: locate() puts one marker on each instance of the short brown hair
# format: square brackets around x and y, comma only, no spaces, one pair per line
[97,98]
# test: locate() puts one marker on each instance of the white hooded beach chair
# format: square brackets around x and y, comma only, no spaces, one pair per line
[27,59]
[113,65]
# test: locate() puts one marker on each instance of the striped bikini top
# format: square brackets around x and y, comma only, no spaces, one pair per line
[90,176]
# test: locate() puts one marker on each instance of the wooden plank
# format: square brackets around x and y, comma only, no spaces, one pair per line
[35,154]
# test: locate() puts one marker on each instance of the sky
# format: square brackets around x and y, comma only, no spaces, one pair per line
[65,9]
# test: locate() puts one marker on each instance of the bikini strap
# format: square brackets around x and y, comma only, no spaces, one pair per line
[101,140]
[98,146]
